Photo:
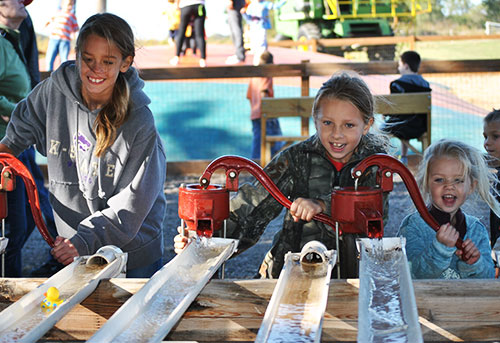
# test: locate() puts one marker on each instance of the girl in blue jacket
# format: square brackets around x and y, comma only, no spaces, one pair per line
[450,172]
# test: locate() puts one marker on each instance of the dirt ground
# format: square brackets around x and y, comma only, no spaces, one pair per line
[245,265]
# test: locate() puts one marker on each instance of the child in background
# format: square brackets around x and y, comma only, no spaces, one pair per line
[173,19]
[63,26]
[449,173]
[256,15]
[258,88]
[306,173]
[406,127]
[491,133]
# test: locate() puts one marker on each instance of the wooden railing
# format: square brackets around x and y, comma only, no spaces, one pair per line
[388,104]
[305,70]
[313,44]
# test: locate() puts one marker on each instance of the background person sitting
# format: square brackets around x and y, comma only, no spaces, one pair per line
[406,127]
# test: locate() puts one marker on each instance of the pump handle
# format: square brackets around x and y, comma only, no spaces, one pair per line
[9,162]
[388,165]
[235,164]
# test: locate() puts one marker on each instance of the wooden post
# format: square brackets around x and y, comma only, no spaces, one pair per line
[412,42]
[314,45]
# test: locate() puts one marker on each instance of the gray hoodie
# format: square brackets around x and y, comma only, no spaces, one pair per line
[115,199]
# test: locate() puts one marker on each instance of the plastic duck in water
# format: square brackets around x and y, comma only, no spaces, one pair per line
[51,301]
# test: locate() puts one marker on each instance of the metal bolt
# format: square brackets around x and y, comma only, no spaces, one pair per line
[358,173]
[232,174]
[388,174]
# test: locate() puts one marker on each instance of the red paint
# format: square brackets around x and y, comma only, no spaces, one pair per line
[203,210]
[12,167]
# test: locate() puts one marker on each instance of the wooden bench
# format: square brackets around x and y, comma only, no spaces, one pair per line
[389,104]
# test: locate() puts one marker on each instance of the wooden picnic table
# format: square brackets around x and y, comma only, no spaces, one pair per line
[232,310]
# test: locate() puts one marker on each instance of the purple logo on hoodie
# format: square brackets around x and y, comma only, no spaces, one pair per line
[83,143]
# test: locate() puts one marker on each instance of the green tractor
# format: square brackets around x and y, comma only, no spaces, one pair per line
[316,19]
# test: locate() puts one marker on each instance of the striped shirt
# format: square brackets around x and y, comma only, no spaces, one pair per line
[62,25]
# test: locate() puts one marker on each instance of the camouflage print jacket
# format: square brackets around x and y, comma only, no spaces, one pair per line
[303,170]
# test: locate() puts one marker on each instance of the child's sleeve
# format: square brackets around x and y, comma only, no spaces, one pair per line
[253,207]
[427,257]
[74,24]
[278,4]
[484,267]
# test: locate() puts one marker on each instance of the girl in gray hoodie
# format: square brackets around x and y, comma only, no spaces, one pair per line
[106,162]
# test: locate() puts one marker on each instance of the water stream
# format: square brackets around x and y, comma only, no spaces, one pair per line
[382,289]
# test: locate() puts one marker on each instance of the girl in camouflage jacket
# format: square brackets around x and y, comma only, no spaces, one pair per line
[343,113]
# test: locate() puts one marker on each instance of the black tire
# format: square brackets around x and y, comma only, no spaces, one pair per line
[308,31]
[381,52]
[280,37]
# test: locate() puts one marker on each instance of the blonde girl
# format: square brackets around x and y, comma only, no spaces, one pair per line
[450,172]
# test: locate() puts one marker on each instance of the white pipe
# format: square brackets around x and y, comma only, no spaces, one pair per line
[295,311]
[24,321]
[150,314]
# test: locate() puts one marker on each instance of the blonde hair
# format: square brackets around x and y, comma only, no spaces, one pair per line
[112,115]
[475,168]
[348,86]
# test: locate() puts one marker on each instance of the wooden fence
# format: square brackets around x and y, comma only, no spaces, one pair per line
[313,44]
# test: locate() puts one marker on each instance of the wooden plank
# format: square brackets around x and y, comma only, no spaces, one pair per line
[403,104]
[309,69]
[232,310]
[287,107]
[286,138]
[385,40]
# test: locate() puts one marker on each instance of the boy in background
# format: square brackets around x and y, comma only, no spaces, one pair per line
[259,88]
[63,25]
[173,19]
[406,127]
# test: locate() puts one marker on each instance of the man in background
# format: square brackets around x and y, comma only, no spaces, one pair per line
[234,19]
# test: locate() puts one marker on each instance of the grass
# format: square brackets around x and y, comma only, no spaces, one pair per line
[444,50]
[460,50]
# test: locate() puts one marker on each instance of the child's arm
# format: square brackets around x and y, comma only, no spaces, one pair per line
[428,257]
[483,267]
[469,252]
[253,208]
[278,4]
[447,235]
[306,209]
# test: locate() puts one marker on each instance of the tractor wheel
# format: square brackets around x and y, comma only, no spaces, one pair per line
[308,31]
[280,37]
[381,52]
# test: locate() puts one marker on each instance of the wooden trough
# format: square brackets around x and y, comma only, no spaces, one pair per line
[232,310]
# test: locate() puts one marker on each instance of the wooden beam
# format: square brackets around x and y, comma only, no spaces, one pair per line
[310,69]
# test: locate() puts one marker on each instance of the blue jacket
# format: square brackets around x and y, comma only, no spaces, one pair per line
[431,259]
[257,12]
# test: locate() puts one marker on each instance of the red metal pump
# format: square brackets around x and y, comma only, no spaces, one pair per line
[10,168]
[354,209]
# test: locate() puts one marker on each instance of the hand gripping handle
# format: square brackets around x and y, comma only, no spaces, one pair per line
[235,164]
[388,165]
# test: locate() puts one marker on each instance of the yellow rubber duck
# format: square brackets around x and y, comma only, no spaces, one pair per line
[52,300]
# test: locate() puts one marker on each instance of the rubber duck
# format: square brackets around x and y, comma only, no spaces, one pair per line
[52,300]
